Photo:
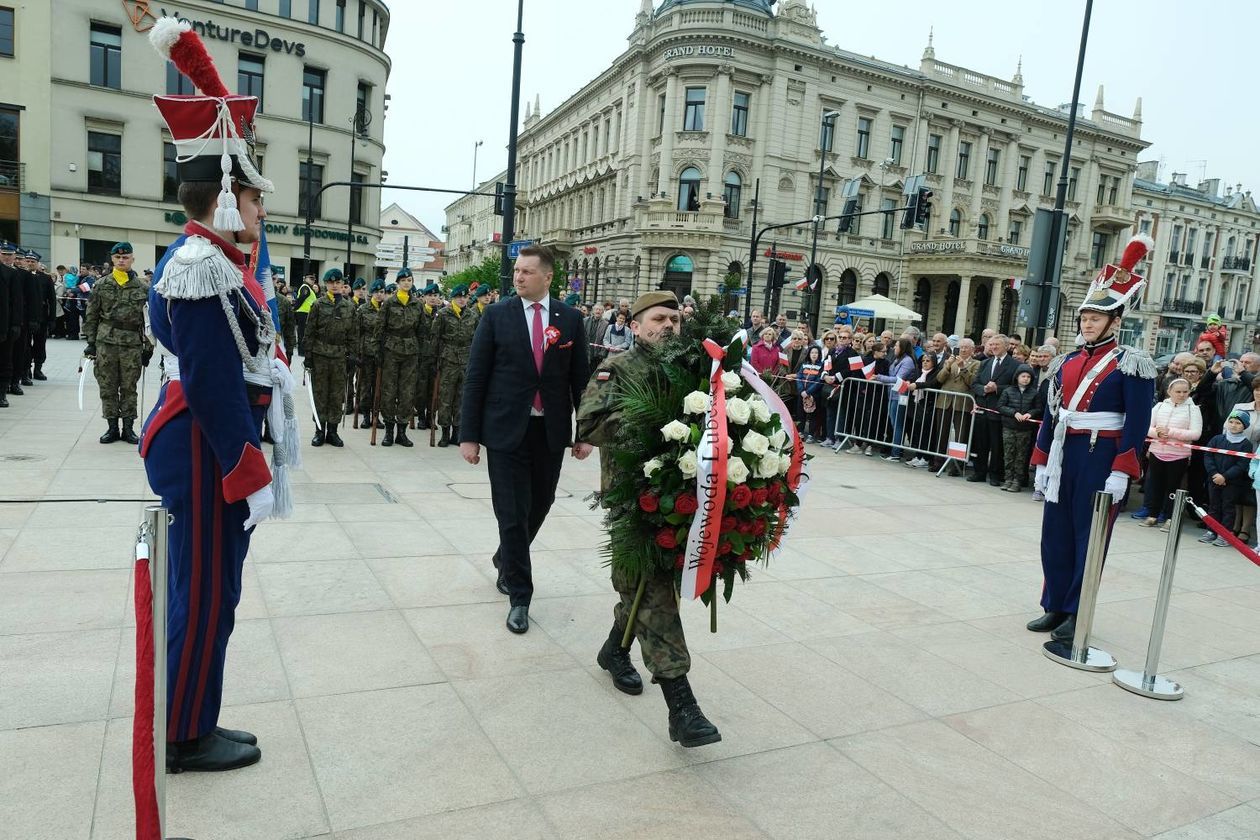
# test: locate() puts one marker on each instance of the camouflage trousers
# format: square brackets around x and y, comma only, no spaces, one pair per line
[450,393]
[398,380]
[365,385]
[425,375]
[329,385]
[1016,450]
[657,626]
[117,371]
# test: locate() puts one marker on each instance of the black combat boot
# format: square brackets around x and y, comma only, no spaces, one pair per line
[389,435]
[401,437]
[318,440]
[128,432]
[39,374]
[4,401]
[446,436]
[209,753]
[26,380]
[615,659]
[1048,622]
[687,724]
[365,422]
[15,389]
[332,438]
[111,434]
[422,423]
[455,435]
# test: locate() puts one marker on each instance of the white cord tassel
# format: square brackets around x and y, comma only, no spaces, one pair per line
[227,217]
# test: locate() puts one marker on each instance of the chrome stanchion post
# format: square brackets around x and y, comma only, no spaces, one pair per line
[157,521]
[1079,654]
[1148,682]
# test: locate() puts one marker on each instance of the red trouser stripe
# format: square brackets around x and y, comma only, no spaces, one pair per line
[194,595]
[216,593]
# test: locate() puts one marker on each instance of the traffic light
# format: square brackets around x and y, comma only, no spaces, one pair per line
[917,209]
[498,198]
[778,274]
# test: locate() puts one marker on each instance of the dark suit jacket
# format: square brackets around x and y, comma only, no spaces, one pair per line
[501,380]
[1004,376]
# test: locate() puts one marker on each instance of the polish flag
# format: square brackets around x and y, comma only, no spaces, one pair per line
[855,363]
[802,284]
[901,386]
[827,365]
[957,450]
[869,371]
[784,359]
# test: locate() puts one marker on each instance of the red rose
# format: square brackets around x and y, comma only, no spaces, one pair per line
[649,503]
[724,548]
[741,496]
[760,495]
[728,524]
[678,562]
[665,538]
[718,569]
[745,557]
[775,494]
[745,528]
[759,528]
[686,504]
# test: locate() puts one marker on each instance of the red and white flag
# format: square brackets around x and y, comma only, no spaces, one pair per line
[827,365]
[957,450]
[869,371]
[802,284]
[855,363]
[901,386]
[784,359]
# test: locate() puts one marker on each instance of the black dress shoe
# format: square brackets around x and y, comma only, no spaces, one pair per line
[39,376]
[240,736]
[976,478]
[500,584]
[26,380]
[1065,631]
[518,619]
[210,753]
[1047,622]
[15,389]
[995,482]
[615,659]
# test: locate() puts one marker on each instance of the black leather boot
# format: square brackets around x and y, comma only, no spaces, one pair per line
[332,438]
[365,422]
[422,423]
[240,736]
[111,434]
[15,389]
[1048,622]
[39,374]
[210,753]
[1065,631]
[455,435]
[401,438]
[446,436]
[26,380]
[615,659]
[389,435]
[687,724]
[128,432]
[318,439]
[4,401]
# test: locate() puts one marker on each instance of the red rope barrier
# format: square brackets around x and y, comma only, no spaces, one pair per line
[1224,533]
[143,780]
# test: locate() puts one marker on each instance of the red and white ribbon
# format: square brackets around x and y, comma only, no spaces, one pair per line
[797,478]
[702,540]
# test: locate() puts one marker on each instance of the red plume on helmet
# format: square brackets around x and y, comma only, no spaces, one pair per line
[1135,251]
[177,42]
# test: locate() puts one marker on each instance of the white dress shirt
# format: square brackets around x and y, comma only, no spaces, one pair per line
[528,308]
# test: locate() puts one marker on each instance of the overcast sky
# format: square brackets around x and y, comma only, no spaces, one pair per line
[1190,62]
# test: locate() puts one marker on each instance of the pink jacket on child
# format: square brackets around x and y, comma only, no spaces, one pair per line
[1184,423]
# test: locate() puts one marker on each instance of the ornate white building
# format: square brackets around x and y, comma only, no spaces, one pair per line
[646,176]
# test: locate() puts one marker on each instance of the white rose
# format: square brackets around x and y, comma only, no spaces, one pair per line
[738,411]
[785,463]
[757,444]
[768,466]
[697,402]
[736,470]
[674,430]
[688,464]
[652,466]
[778,438]
[732,381]
[760,411]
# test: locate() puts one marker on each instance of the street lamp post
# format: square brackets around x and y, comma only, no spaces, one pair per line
[310,164]
[509,189]
[476,146]
[813,297]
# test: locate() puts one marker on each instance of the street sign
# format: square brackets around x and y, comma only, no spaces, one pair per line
[856,313]
[514,248]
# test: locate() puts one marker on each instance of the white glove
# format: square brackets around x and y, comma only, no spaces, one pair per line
[1117,485]
[260,504]
[281,377]
[1039,479]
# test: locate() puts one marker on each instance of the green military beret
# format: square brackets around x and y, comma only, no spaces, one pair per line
[572,299]
[378,285]
[121,248]
[431,289]
[459,291]
[391,288]
[403,272]
[359,283]
[333,275]
[650,299]
[481,291]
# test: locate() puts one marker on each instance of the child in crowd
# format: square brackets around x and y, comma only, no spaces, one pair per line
[1227,474]
[1020,405]
[808,386]
[1175,419]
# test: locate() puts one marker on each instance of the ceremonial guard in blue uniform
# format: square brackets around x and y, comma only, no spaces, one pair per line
[1097,414]
[223,371]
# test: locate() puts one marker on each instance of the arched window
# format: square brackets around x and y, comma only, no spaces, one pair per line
[731,192]
[689,189]
[982,230]
[955,221]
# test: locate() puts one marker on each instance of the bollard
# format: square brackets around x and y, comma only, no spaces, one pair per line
[1079,654]
[1148,682]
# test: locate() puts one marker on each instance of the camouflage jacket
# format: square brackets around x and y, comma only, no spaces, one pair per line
[596,419]
[400,325]
[453,335]
[368,321]
[329,328]
[288,323]
[115,314]
[427,331]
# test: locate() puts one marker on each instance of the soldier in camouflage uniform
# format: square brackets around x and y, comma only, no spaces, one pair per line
[115,339]
[368,350]
[658,626]
[453,330]
[400,333]
[427,368]
[358,297]
[288,323]
[326,346]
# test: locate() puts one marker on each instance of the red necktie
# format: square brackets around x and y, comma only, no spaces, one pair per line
[538,351]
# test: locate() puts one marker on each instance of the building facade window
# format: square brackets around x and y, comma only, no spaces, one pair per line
[252,5]
[1073,179]
[1015,232]
[356,198]
[106,56]
[177,84]
[1174,244]
[340,20]
[1021,174]
[310,179]
[1192,237]
[955,222]
[1114,192]
[732,189]
[660,122]
[286,8]
[1144,226]
[1047,179]
[934,154]
[312,12]
[827,142]
[362,108]
[739,114]
[863,137]
[249,76]
[693,116]
[896,143]
[982,229]
[992,160]
[10,134]
[361,26]
[170,173]
[1098,249]
[104,163]
[888,220]
[313,94]
[689,189]
[7,36]
[964,160]
[821,199]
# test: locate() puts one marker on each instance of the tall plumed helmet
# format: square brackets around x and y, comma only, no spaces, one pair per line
[1116,284]
[213,132]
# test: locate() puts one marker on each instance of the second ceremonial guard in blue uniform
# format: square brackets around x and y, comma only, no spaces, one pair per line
[1098,411]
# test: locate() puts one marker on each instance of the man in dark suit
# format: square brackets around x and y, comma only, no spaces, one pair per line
[526,373]
[996,372]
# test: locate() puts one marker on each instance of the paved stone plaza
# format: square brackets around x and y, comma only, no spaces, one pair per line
[876,682]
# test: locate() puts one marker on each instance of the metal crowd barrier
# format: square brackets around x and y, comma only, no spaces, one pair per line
[1078,654]
[927,421]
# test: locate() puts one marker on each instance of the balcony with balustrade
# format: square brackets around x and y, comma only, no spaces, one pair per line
[1182,307]
[12,176]
[1239,264]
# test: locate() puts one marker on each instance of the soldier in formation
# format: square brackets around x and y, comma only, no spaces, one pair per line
[401,330]
[11,312]
[288,321]
[115,339]
[40,312]
[326,346]
[358,296]
[453,330]
[426,374]
[368,351]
